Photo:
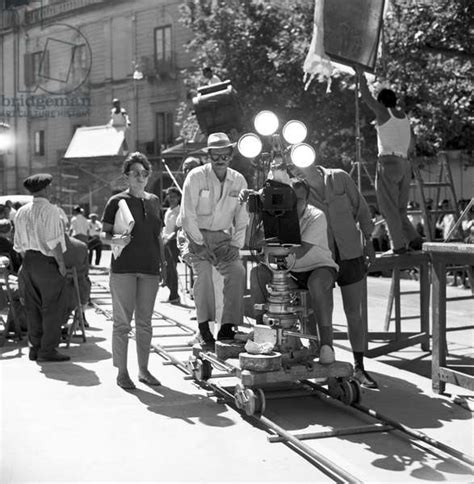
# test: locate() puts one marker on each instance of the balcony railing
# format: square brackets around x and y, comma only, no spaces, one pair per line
[50,11]
[8,19]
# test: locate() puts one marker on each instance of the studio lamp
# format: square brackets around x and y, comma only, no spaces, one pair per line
[266,123]
[250,145]
[293,133]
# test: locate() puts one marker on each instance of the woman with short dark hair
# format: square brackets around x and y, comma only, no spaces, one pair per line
[135,273]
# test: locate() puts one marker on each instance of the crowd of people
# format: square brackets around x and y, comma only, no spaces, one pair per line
[204,225]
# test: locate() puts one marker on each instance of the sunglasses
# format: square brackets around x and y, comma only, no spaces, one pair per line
[137,173]
[220,156]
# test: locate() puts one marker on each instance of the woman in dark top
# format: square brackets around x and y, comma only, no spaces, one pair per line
[135,273]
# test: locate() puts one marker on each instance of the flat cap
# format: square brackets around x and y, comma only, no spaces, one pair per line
[35,183]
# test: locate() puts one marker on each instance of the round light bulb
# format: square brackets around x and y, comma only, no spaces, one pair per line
[249,145]
[294,132]
[266,123]
[302,155]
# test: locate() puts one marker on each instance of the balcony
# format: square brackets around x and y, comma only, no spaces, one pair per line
[154,69]
[8,19]
[57,9]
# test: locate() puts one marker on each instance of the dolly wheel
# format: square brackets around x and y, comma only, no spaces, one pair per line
[261,402]
[250,401]
[334,388]
[348,392]
[356,388]
[203,370]
[239,396]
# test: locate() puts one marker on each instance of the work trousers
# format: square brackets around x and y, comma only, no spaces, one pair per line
[171,255]
[44,292]
[233,274]
[320,286]
[132,293]
[392,185]
[95,245]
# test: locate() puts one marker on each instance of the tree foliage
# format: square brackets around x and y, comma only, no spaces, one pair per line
[428,58]
[261,46]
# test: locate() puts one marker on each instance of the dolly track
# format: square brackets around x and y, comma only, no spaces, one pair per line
[276,432]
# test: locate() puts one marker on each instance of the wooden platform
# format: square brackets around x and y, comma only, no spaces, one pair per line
[441,255]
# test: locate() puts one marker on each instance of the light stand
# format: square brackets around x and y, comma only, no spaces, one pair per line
[358,164]
[137,76]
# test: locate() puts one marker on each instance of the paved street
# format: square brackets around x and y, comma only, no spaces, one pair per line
[69,422]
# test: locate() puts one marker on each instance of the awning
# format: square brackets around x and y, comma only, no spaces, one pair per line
[96,141]
[189,148]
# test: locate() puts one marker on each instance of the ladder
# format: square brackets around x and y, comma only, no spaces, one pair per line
[443,180]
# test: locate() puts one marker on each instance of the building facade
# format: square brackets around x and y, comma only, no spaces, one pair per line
[62,64]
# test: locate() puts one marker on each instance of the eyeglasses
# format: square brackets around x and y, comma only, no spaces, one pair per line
[137,173]
[220,156]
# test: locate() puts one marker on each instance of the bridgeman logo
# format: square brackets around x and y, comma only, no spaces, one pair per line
[64,63]
[57,59]
[44,106]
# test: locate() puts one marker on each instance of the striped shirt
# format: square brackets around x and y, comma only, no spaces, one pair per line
[38,227]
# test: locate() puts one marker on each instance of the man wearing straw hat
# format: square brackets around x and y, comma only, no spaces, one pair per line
[215,223]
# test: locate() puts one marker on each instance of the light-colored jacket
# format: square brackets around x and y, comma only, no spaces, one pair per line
[346,210]
[211,205]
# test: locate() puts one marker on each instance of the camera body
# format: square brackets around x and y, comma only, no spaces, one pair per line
[275,203]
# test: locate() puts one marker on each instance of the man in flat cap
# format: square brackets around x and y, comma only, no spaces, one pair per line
[39,237]
[215,222]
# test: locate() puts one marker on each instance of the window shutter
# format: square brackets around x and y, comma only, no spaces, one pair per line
[29,75]
[44,66]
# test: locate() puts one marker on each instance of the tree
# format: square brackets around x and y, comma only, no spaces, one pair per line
[261,46]
[428,58]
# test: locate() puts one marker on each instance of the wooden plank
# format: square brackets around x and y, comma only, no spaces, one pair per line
[388,311]
[378,335]
[405,261]
[439,325]
[396,345]
[398,309]
[425,305]
[450,248]
[363,429]
[456,378]
[294,373]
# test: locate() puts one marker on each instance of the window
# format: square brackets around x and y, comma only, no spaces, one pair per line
[164,130]
[79,63]
[121,47]
[39,143]
[41,64]
[36,67]
[163,50]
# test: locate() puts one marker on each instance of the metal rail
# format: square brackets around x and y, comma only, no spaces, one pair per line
[279,434]
[403,428]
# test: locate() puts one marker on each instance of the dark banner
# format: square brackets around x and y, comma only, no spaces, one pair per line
[352,31]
